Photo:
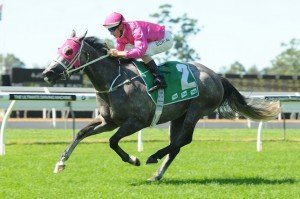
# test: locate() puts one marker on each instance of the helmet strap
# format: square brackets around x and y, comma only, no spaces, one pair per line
[121,31]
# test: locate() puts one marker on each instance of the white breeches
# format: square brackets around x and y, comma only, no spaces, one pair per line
[156,47]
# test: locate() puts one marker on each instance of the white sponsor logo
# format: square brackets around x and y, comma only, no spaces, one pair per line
[175,96]
[183,94]
[193,91]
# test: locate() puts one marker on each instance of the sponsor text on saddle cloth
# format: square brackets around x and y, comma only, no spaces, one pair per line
[180,80]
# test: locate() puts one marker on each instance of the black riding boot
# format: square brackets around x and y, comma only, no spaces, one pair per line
[158,79]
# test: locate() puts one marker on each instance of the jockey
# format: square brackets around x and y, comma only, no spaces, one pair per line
[139,39]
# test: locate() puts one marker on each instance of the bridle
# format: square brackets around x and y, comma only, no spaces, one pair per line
[69,66]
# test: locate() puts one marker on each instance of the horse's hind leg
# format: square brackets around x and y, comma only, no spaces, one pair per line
[175,127]
[183,137]
[164,166]
[98,125]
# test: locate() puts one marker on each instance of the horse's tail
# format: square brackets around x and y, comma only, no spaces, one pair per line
[234,102]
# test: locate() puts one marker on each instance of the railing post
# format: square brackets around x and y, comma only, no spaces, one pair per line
[259,140]
[140,141]
[4,121]
[54,117]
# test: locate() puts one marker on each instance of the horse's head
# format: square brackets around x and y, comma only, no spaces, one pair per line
[69,58]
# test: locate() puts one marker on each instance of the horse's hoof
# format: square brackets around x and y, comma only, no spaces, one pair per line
[153,179]
[134,161]
[59,167]
[151,160]
[138,162]
[150,180]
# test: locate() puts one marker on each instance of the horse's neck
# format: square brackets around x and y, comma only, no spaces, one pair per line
[103,73]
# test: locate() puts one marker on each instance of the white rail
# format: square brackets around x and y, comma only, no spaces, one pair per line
[22,98]
[24,101]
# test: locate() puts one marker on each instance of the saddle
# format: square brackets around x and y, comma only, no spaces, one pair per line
[180,80]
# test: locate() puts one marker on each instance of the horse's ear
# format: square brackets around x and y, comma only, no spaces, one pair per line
[82,36]
[73,34]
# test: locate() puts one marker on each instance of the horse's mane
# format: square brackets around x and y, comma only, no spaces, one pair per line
[102,46]
[96,43]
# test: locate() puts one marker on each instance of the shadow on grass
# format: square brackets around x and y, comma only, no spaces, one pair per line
[104,141]
[221,181]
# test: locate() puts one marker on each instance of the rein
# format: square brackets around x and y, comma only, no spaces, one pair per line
[111,89]
[70,70]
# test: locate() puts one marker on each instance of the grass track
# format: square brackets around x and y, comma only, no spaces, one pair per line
[207,168]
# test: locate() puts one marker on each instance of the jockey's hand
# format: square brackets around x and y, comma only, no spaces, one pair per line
[113,52]
[116,53]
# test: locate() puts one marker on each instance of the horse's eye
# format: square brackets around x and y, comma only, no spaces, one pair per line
[68,51]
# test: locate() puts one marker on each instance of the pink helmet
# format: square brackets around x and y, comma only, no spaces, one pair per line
[113,20]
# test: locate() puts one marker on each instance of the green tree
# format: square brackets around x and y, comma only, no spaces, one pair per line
[253,70]
[287,62]
[236,68]
[182,28]
[10,61]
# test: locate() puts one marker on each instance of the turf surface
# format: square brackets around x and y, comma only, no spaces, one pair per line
[218,164]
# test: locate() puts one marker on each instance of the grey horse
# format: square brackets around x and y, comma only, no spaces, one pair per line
[128,108]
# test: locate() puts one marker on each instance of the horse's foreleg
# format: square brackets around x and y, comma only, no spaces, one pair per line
[98,125]
[127,128]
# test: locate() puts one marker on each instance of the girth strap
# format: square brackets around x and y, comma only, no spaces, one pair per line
[159,107]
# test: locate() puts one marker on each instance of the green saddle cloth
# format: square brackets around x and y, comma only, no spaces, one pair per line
[180,80]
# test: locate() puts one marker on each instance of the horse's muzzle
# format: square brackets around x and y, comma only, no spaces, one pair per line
[49,76]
